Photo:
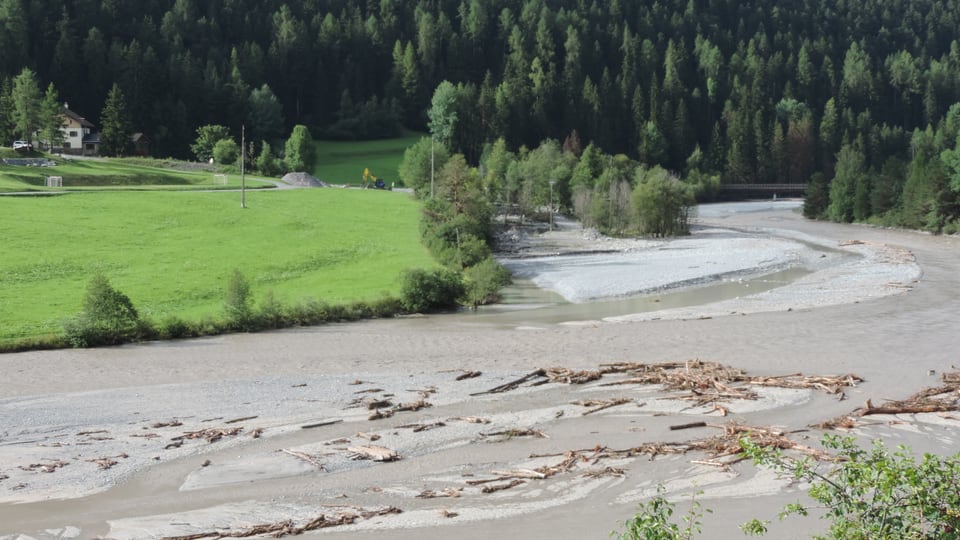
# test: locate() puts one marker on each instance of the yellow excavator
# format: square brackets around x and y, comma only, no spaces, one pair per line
[371,181]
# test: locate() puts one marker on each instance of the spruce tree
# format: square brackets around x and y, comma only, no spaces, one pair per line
[115,128]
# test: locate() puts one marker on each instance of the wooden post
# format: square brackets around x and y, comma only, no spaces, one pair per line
[243,159]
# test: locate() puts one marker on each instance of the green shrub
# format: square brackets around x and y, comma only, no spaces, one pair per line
[430,290]
[653,521]
[484,281]
[873,494]
[226,152]
[307,312]
[270,312]
[108,317]
[173,327]
[238,302]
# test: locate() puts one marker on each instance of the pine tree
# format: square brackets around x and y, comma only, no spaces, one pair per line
[115,127]
[26,104]
[51,119]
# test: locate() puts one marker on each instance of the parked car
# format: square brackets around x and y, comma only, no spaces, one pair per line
[22,146]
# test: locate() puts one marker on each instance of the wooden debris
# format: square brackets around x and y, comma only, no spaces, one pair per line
[425,392]
[321,424]
[517,432]
[172,423]
[358,382]
[606,471]
[710,382]
[501,487]
[146,435]
[3,477]
[289,528]
[373,453]
[52,466]
[512,385]
[244,419]
[688,426]
[938,399]
[256,433]
[368,436]
[212,435]
[301,385]
[413,407]
[374,404]
[312,460]
[88,433]
[107,462]
[342,440]
[569,376]
[600,404]
[369,391]
[448,514]
[451,493]
[468,375]
[174,444]
[470,419]
[380,414]
[417,428]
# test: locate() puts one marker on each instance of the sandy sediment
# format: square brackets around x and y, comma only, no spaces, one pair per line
[232,433]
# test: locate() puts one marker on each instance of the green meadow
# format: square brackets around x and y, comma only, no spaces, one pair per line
[172,252]
[342,162]
[124,174]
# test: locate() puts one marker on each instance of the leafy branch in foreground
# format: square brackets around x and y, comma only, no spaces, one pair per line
[875,494]
[652,522]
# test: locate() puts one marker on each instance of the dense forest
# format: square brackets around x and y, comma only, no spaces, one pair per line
[858,97]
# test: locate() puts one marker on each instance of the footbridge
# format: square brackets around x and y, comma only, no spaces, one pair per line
[740,191]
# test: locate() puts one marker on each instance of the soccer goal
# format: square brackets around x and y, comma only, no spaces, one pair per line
[219,179]
[54,181]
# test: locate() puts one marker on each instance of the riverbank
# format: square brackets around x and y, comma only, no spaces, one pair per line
[157,410]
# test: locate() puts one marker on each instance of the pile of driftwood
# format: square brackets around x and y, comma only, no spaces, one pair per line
[49,467]
[937,399]
[701,382]
[289,528]
[722,450]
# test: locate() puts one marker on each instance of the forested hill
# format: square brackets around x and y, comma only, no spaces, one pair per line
[769,90]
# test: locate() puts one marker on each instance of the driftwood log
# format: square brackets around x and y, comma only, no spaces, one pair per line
[373,453]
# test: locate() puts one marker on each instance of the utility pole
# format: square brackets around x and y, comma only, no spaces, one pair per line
[552,182]
[243,159]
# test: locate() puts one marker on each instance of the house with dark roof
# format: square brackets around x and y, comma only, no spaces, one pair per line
[78,134]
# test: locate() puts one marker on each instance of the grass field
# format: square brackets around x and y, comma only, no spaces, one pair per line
[342,162]
[113,174]
[172,253]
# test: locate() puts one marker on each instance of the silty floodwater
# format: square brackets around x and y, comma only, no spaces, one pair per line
[524,303]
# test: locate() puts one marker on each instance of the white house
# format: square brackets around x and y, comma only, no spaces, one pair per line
[78,135]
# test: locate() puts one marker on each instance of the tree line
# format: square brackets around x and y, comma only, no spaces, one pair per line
[753,91]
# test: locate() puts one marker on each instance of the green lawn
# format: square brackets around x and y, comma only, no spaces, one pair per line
[342,162]
[172,252]
[113,174]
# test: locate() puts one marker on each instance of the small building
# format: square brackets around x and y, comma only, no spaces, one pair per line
[77,134]
[141,144]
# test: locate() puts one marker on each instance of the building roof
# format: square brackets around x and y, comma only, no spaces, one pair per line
[81,120]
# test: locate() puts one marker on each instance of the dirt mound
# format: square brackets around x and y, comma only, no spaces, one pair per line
[303,179]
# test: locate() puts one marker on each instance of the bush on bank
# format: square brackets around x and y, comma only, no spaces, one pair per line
[110,318]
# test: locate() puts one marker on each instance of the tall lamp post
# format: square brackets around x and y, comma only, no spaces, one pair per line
[552,182]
